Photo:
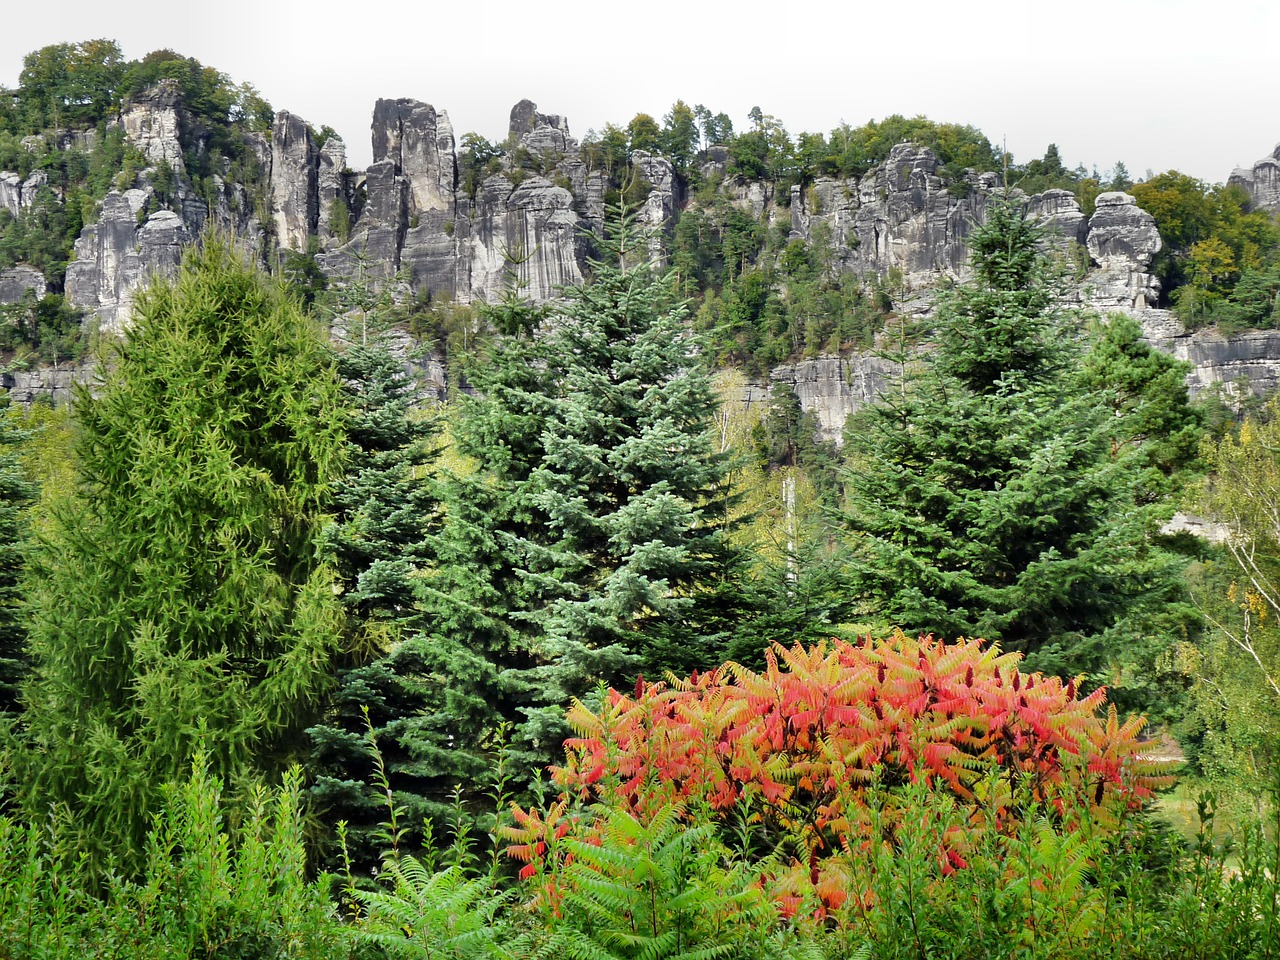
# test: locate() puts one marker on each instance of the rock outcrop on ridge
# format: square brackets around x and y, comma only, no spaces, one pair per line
[1261,181]
[17,283]
[525,224]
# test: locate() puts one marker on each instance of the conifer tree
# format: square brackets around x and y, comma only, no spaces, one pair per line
[590,520]
[16,492]
[181,603]
[985,497]
[385,510]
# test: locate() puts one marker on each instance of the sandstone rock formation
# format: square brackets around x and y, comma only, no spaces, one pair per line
[526,227]
[662,203]
[1261,182]
[17,194]
[294,178]
[418,142]
[1239,366]
[333,189]
[1060,212]
[520,231]
[831,388]
[899,216]
[152,124]
[18,282]
[1122,238]
[45,384]
[135,237]
[115,256]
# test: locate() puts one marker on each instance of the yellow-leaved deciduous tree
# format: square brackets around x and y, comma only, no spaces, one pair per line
[1236,667]
[1213,272]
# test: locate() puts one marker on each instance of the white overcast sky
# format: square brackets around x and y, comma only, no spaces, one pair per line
[1158,84]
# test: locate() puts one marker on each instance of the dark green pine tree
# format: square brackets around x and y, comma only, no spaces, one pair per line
[986,499]
[590,523]
[386,507]
[1153,427]
[181,603]
[16,492]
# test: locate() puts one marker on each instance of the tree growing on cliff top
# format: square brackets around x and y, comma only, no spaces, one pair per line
[180,605]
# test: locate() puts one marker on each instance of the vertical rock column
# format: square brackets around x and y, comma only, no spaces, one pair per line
[295,204]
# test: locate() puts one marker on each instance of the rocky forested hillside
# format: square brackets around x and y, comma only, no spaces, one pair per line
[773,582]
[796,249]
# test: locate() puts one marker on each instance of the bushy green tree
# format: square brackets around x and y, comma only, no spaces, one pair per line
[1235,667]
[680,136]
[67,84]
[986,497]
[628,477]
[1211,237]
[852,151]
[1145,392]
[180,602]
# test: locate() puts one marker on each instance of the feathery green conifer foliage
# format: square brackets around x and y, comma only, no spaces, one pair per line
[16,491]
[1152,418]
[590,518]
[987,498]
[629,480]
[181,602]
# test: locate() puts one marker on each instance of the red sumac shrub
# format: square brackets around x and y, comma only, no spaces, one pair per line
[802,743]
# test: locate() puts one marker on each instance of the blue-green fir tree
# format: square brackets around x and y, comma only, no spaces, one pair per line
[591,521]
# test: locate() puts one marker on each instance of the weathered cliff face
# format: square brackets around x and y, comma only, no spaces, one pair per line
[418,141]
[1060,211]
[152,124]
[522,237]
[19,282]
[523,228]
[115,256]
[1248,363]
[520,231]
[1121,239]
[831,388]
[294,178]
[17,194]
[135,236]
[899,216]
[45,384]
[333,189]
[1261,182]
[662,204]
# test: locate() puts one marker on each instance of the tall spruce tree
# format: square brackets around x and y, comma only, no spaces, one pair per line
[589,524]
[986,496]
[385,509]
[180,603]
